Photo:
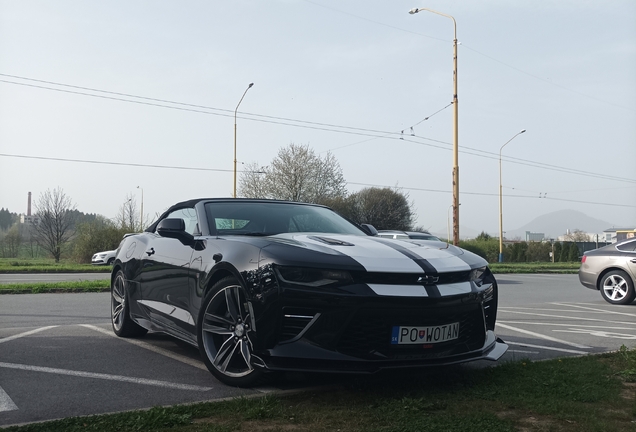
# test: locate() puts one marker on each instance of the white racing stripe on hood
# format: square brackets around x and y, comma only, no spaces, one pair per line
[372,255]
[419,290]
[379,256]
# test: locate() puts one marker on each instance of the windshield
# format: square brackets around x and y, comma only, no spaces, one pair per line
[269,218]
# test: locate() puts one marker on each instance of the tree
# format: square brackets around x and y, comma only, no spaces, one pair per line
[577,236]
[483,236]
[10,244]
[573,253]
[7,219]
[295,174]
[384,208]
[558,250]
[99,235]
[55,211]
[128,217]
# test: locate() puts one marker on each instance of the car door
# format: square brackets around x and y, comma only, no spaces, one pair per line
[165,278]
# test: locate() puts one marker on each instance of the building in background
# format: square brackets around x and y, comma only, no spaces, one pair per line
[28,218]
[534,237]
[617,234]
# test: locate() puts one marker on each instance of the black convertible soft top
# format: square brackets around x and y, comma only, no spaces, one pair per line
[192,202]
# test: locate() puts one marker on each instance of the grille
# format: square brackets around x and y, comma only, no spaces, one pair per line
[410,278]
[368,334]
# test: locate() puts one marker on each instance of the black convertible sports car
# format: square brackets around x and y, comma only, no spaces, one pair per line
[262,285]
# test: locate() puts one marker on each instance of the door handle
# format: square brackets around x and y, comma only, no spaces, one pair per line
[151,251]
[634,260]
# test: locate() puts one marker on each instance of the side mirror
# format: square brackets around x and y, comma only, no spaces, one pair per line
[369,229]
[175,228]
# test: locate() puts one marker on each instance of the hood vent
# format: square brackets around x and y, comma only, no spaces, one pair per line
[331,241]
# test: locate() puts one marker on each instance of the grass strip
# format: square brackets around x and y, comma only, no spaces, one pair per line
[55,287]
[582,394]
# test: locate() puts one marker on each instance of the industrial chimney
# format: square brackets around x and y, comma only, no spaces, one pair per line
[29,206]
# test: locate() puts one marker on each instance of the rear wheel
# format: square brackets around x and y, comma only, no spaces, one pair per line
[225,333]
[617,288]
[123,325]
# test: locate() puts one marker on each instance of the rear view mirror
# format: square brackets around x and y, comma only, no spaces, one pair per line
[175,228]
[369,229]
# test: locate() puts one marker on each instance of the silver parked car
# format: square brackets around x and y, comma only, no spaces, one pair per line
[612,271]
[101,258]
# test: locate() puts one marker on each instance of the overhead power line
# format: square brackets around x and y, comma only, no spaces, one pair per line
[352,183]
[372,133]
[493,194]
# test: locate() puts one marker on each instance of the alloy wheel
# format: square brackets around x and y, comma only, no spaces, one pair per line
[226,332]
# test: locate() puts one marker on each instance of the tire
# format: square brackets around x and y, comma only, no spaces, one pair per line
[123,325]
[225,334]
[617,288]
[111,261]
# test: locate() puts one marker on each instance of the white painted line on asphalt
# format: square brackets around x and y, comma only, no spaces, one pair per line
[573,318]
[164,352]
[564,325]
[120,378]
[542,336]
[6,404]
[598,333]
[525,345]
[511,309]
[30,332]
[522,351]
[612,312]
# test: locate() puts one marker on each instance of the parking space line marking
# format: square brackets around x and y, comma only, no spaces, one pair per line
[105,377]
[514,309]
[599,333]
[546,348]
[542,336]
[164,352]
[576,318]
[6,404]
[564,325]
[613,312]
[30,332]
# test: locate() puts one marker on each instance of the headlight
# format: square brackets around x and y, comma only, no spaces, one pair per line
[311,277]
[477,275]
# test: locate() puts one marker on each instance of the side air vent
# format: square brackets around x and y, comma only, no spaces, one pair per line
[294,325]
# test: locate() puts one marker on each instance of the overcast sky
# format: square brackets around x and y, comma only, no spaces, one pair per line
[156,83]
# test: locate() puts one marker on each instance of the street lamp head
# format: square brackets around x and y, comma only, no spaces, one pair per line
[522,131]
[250,86]
[414,11]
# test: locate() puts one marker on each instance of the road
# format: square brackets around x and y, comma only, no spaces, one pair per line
[59,357]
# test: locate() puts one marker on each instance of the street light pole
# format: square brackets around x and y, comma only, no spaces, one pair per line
[235,111]
[501,258]
[455,127]
[142,208]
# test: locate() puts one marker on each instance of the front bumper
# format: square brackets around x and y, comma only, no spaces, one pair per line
[316,360]
[352,333]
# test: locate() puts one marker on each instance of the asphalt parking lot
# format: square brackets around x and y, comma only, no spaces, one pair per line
[59,358]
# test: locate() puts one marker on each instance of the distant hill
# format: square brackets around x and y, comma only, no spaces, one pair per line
[557,223]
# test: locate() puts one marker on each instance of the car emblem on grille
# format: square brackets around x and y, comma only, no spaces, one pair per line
[427,280]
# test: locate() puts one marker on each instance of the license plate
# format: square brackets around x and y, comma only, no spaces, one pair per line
[424,335]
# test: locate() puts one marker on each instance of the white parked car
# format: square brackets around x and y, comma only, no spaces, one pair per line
[101,258]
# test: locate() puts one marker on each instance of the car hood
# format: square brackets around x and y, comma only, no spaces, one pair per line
[385,255]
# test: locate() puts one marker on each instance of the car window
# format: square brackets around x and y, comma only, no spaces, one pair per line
[189,216]
[627,247]
[263,218]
